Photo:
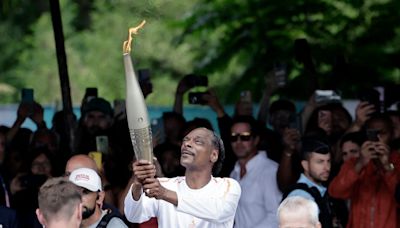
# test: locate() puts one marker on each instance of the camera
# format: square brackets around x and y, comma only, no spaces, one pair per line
[145,81]
[372,135]
[28,98]
[144,76]
[27,95]
[295,122]
[326,96]
[197,80]
[245,96]
[280,74]
[197,98]
[372,96]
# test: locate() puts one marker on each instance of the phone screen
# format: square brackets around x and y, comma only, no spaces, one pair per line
[90,93]
[245,96]
[280,74]
[372,135]
[102,144]
[144,75]
[27,95]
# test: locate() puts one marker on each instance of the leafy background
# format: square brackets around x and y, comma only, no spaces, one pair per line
[354,44]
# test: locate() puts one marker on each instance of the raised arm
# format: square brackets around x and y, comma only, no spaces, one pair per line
[286,174]
[22,113]
[184,85]
[270,87]
[363,112]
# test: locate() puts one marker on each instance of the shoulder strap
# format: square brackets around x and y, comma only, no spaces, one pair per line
[106,219]
[313,191]
[323,203]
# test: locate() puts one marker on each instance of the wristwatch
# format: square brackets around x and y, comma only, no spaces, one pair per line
[389,167]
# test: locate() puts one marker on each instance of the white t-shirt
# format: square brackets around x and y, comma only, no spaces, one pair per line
[212,206]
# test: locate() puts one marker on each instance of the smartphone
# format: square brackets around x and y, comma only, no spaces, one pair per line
[145,82]
[245,96]
[157,129]
[197,98]
[295,122]
[144,75]
[372,135]
[98,158]
[326,96]
[280,74]
[197,80]
[373,97]
[119,108]
[27,95]
[102,144]
[27,98]
[302,50]
[90,93]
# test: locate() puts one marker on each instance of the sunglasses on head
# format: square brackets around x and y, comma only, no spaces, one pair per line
[244,136]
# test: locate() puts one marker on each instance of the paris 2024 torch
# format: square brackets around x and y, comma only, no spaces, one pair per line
[138,117]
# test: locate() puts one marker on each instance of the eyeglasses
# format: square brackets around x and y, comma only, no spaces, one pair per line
[244,136]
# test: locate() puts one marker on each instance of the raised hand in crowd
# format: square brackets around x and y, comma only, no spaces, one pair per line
[212,100]
[244,106]
[376,151]
[286,174]
[184,85]
[291,140]
[37,115]
[26,110]
[308,109]
[363,113]
[270,88]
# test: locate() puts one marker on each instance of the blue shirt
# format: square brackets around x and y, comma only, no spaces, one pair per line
[309,183]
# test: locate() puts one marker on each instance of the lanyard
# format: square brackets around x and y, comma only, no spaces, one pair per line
[3,184]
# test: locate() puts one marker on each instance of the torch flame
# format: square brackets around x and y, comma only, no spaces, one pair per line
[132,31]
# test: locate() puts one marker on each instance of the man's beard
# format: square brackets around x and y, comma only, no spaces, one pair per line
[96,131]
[88,212]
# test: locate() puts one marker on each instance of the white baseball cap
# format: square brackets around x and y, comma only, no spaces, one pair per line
[86,178]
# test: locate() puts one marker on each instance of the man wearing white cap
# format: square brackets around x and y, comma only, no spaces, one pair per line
[92,198]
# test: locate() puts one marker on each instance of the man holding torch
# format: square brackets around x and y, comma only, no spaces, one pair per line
[195,200]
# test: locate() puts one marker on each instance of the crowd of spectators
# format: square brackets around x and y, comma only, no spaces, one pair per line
[362,171]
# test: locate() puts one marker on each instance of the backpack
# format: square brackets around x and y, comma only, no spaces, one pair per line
[107,218]
[324,204]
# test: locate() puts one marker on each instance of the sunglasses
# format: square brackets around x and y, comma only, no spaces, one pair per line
[244,136]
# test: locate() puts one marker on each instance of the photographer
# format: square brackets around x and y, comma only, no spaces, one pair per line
[370,180]
[25,185]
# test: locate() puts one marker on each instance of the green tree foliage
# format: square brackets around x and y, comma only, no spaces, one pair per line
[353,43]
[234,42]
[15,24]
[94,50]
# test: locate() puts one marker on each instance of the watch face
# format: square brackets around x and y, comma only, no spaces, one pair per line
[390,167]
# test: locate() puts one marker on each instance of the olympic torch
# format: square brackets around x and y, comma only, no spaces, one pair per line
[136,110]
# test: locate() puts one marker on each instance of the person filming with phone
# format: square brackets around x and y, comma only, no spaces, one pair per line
[369,181]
